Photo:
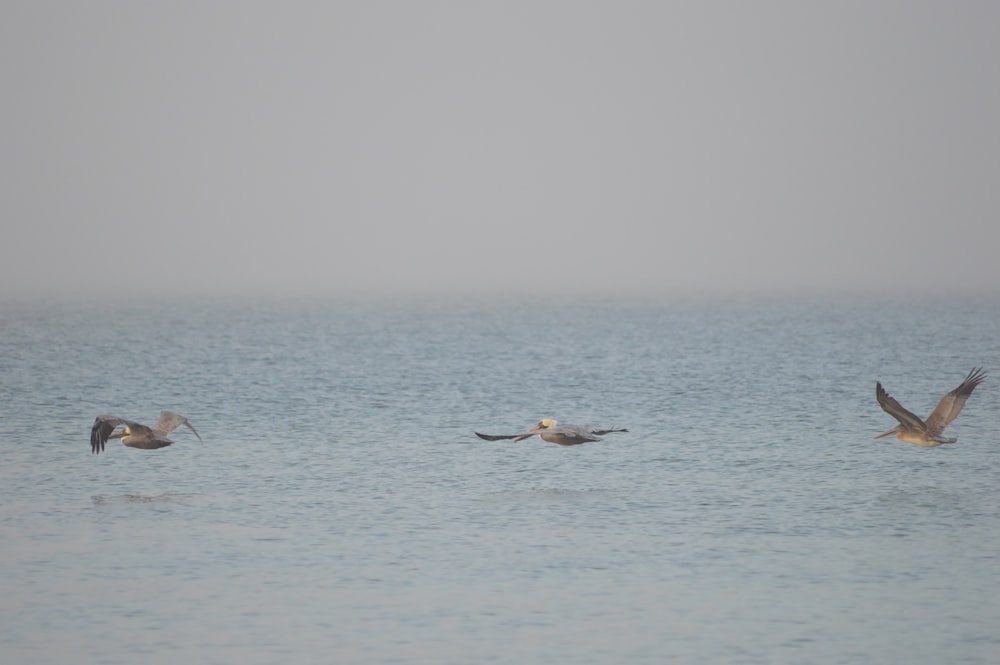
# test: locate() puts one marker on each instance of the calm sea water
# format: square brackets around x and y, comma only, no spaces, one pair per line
[341,510]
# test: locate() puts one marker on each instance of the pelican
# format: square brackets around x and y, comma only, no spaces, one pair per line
[137,435]
[927,433]
[547,430]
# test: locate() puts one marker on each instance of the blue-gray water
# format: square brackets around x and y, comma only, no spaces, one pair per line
[340,509]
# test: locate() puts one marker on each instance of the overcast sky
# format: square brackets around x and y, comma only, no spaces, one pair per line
[288,148]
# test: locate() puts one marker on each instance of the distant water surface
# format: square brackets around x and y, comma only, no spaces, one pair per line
[340,508]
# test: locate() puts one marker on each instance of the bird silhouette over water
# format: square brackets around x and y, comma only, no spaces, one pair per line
[548,430]
[137,435]
[927,433]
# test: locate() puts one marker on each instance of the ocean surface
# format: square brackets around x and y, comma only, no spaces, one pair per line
[341,510]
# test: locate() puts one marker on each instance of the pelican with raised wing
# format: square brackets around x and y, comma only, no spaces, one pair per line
[137,435]
[927,433]
[548,430]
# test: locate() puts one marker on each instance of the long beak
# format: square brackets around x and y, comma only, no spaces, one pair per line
[887,433]
[119,433]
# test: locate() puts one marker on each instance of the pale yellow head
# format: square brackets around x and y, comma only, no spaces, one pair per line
[544,423]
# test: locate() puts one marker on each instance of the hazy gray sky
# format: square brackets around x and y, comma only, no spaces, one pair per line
[494,147]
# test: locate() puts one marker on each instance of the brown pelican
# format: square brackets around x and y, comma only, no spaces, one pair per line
[927,433]
[137,435]
[547,430]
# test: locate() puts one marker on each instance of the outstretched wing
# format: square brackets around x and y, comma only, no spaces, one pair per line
[568,435]
[950,405]
[169,421]
[516,437]
[102,429]
[894,409]
[602,432]
[495,437]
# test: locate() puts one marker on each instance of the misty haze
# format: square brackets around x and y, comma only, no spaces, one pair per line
[499,148]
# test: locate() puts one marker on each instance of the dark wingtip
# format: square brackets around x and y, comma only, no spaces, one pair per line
[98,436]
[973,379]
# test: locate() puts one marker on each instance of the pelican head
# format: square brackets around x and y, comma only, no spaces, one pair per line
[544,423]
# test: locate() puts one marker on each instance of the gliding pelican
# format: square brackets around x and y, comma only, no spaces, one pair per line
[547,430]
[137,435]
[927,433]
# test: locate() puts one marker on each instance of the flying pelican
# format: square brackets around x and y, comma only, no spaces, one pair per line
[137,435]
[547,430]
[927,433]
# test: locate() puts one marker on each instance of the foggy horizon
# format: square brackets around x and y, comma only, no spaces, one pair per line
[499,149]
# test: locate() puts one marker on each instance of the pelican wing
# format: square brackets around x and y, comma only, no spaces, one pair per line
[950,405]
[501,437]
[895,409]
[602,432]
[102,429]
[568,435]
[495,437]
[169,421]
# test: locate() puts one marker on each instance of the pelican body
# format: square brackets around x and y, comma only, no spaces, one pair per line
[928,433]
[548,430]
[137,435]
